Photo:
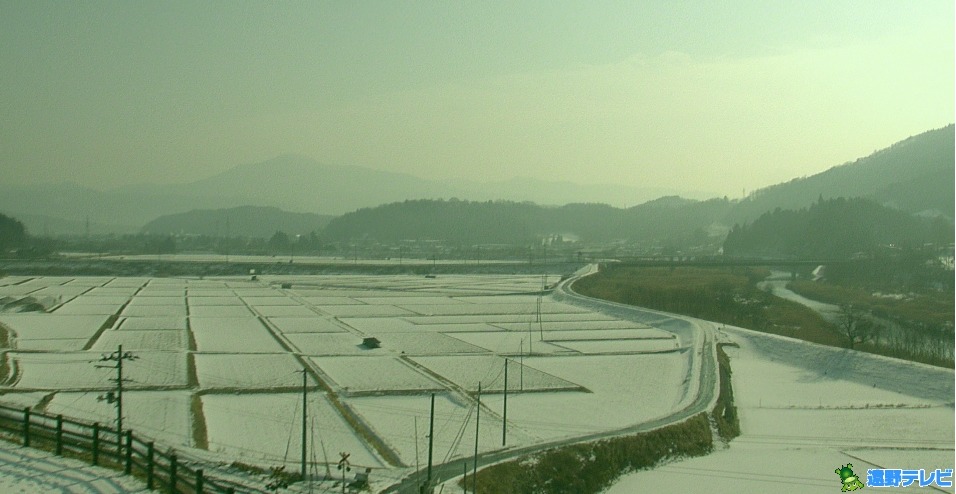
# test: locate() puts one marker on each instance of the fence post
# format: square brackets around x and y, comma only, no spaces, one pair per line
[59,435]
[172,473]
[199,481]
[26,426]
[128,467]
[96,443]
[150,465]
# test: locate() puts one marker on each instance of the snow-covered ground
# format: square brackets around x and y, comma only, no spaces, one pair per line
[806,410]
[264,429]
[201,343]
[31,471]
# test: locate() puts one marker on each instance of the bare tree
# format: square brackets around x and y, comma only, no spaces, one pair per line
[855,326]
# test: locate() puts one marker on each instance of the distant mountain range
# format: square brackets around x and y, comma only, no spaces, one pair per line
[915,175]
[290,182]
[912,178]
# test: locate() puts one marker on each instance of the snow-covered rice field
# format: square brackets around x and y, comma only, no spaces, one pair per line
[112,291]
[314,324]
[53,345]
[588,372]
[161,415]
[364,310]
[63,371]
[232,335]
[284,311]
[497,308]
[34,326]
[419,343]
[497,319]
[601,326]
[142,340]
[510,342]
[250,372]
[265,429]
[358,374]
[96,299]
[330,300]
[195,301]
[394,419]
[330,344]
[154,310]
[596,334]
[219,311]
[146,300]
[378,325]
[596,347]
[72,309]
[160,292]
[275,299]
[468,371]
[152,323]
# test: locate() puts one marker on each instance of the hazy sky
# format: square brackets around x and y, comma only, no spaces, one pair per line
[711,95]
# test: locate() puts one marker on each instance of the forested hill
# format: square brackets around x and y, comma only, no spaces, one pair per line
[244,221]
[914,175]
[505,222]
[12,232]
[836,228]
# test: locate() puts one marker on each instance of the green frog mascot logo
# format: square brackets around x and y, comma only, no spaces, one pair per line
[850,481]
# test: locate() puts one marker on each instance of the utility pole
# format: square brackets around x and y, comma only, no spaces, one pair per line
[227,239]
[117,397]
[431,437]
[521,366]
[417,466]
[304,410]
[504,419]
[530,336]
[544,283]
[474,473]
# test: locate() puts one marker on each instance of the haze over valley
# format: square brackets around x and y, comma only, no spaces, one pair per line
[523,247]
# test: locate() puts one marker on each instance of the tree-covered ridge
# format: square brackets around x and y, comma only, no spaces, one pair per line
[914,175]
[244,221]
[835,228]
[12,232]
[505,222]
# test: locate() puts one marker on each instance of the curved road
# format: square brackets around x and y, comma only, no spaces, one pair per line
[697,338]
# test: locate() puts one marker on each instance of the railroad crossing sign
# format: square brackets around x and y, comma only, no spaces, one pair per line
[344,462]
[344,467]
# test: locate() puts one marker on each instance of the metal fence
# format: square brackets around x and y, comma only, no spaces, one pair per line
[103,446]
